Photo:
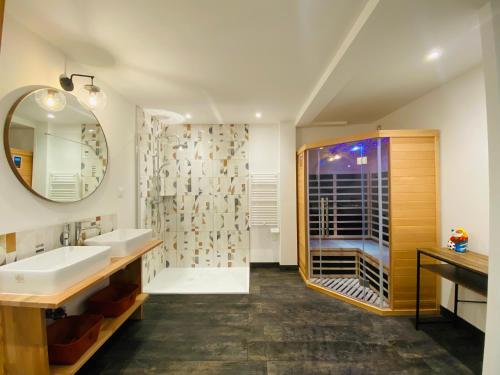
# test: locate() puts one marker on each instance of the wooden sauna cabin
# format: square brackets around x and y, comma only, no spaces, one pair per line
[365,203]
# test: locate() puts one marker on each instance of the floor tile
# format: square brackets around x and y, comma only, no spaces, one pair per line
[281,327]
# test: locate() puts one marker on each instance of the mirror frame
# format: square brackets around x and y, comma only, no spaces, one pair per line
[8,154]
[2,15]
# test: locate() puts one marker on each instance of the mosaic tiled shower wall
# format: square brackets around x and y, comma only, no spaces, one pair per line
[94,157]
[194,197]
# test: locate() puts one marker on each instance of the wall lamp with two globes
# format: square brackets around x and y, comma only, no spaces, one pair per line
[90,95]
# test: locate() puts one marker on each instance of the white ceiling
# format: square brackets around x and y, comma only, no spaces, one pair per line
[299,60]
[385,66]
[220,60]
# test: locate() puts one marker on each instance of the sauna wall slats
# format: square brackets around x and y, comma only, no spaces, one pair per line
[413,218]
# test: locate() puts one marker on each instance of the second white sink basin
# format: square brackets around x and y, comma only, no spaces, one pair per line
[122,241]
[54,271]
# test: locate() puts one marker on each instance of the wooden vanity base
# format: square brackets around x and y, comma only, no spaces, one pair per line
[23,319]
[25,340]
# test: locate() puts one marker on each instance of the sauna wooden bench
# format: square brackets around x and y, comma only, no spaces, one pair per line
[469,270]
[24,327]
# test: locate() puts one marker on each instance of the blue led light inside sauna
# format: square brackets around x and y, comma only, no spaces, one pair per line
[359,148]
[345,156]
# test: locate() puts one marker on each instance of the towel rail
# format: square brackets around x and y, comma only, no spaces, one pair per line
[264,200]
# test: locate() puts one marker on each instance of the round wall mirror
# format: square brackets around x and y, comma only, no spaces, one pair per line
[55,146]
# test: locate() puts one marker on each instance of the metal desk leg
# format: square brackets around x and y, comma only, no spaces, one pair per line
[417,305]
[455,307]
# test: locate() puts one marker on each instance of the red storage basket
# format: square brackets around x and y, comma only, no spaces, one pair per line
[68,338]
[113,300]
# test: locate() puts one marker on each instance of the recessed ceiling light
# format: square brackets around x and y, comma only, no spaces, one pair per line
[188,116]
[51,115]
[434,54]
[258,114]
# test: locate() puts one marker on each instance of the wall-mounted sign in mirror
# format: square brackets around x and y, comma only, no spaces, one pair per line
[55,146]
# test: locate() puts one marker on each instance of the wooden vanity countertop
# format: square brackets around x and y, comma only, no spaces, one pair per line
[56,300]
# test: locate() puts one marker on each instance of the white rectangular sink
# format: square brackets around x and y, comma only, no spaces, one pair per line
[122,241]
[54,271]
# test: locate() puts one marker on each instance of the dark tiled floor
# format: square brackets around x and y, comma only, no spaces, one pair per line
[280,328]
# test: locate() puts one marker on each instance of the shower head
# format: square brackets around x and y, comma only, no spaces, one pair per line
[178,146]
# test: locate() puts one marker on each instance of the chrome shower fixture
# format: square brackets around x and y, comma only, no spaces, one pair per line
[179,145]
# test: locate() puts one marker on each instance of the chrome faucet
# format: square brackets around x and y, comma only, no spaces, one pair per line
[80,233]
[64,239]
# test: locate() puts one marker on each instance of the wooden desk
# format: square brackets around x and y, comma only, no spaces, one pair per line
[469,270]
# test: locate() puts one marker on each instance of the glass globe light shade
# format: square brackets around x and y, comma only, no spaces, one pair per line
[92,97]
[51,100]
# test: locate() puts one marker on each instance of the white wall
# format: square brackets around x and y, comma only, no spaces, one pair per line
[458,110]
[27,62]
[490,35]
[272,150]
[64,156]
[264,158]
[39,180]
[288,197]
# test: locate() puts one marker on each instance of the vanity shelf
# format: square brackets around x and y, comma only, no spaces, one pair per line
[23,318]
[109,326]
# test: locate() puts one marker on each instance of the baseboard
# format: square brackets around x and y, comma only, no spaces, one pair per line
[264,265]
[286,267]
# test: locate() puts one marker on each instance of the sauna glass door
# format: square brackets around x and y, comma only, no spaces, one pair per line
[374,262]
[319,206]
[378,228]
[347,188]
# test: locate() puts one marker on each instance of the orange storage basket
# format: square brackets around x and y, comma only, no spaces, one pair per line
[113,300]
[68,338]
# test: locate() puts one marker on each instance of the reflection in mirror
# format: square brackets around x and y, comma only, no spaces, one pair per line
[56,147]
